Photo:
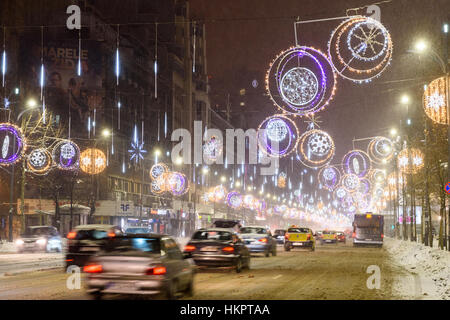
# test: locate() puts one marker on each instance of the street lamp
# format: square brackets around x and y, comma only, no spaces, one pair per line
[393,132]
[106,133]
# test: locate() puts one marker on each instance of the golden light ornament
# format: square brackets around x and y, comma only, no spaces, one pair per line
[412,166]
[158,169]
[435,99]
[218,193]
[39,161]
[92,161]
[380,149]
[391,180]
[316,148]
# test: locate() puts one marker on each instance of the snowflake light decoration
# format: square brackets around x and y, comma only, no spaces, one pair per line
[360,49]
[329,177]
[277,136]
[234,200]
[339,193]
[350,182]
[39,161]
[66,155]
[357,162]
[92,161]
[316,148]
[157,170]
[301,81]
[380,149]
[213,148]
[417,160]
[137,151]
[13,144]
[435,100]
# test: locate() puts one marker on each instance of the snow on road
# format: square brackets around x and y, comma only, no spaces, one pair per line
[429,267]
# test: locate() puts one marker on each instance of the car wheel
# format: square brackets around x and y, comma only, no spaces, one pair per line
[239,265]
[267,254]
[287,247]
[172,290]
[313,247]
[274,251]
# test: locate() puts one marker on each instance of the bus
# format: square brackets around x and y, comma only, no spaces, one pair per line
[368,229]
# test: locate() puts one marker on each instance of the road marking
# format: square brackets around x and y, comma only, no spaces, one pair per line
[278,276]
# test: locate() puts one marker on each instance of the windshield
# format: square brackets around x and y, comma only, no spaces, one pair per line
[256,230]
[328,232]
[280,232]
[141,245]
[137,230]
[368,230]
[37,231]
[298,230]
[92,234]
[212,235]
[225,224]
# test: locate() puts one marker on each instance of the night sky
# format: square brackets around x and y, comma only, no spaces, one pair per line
[244,36]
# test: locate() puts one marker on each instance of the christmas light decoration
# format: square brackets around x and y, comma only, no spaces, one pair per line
[329,177]
[377,176]
[435,100]
[159,185]
[213,148]
[350,182]
[277,136]
[316,148]
[177,183]
[13,144]
[137,151]
[66,155]
[300,81]
[413,166]
[339,193]
[157,170]
[380,149]
[248,201]
[234,200]
[364,186]
[219,192]
[281,180]
[392,181]
[356,162]
[360,49]
[92,161]
[39,161]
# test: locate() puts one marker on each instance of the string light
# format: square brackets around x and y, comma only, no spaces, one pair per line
[92,161]
[435,100]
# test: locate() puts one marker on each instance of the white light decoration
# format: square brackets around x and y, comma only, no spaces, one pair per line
[329,177]
[39,161]
[435,100]
[417,160]
[276,129]
[350,182]
[380,149]
[213,148]
[339,193]
[301,80]
[157,170]
[360,49]
[357,162]
[277,136]
[315,148]
[66,155]
[137,151]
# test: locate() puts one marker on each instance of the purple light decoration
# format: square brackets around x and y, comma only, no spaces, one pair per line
[265,141]
[358,157]
[66,163]
[364,186]
[178,191]
[6,158]
[324,177]
[231,200]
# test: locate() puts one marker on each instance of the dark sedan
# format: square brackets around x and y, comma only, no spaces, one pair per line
[218,247]
[279,235]
[140,264]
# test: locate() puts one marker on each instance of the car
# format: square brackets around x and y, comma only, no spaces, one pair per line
[341,237]
[299,237]
[218,247]
[140,264]
[328,237]
[227,224]
[39,238]
[259,240]
[318,235]
[86,240]
[137,230]
[278,234]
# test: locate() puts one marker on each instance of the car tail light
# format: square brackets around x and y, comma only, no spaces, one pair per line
[156,271]
[228,249]
[382,236]
[69,260]
[93,268]
[111,234]
[263,240]
[309,237]
[286,236]
[189,248]
[71,235]
[354,235]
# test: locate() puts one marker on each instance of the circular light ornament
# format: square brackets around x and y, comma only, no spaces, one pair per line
[348,202]
[277,136]
[248,201]
[339,193]
[329,177]
[360,49]
[364,186]
[177,183]
[356,162]
[435,100]
[157,170]
[234,200]
[66,155]
[410,166]
[380,149]
[92,161]
[39,161]
[213,148]
[301,80]
[351,182]
[219,193]
[159,185]
[377,176]
[13,144]
[316,148]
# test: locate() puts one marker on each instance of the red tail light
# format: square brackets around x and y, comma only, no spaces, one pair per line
[309,237]
[71,235]
[263,240]
[228,249]
[382,236]
[286,235]
[111,234]
[69,260]
[189,248]
[156,271]
[354,235]
[93,268]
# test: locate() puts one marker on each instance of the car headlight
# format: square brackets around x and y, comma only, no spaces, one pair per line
[41,241]
[19,242]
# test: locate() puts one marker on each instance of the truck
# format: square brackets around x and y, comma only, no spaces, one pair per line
[368,229]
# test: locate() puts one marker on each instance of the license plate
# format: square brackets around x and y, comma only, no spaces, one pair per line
[89,249]
[209,249]
[297,244]
[328,241]
[122,286]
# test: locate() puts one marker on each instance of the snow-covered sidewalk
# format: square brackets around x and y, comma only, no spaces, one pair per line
[431,266]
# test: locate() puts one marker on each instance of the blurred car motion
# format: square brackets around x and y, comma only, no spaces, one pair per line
[39,238]
[227,224]
[328,237]
[86,240]
[278,234]
[259,240]
[297,237]
[341,237]
[140,264]
[137,230]
[217,247]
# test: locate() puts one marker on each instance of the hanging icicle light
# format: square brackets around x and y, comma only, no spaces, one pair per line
[156,61]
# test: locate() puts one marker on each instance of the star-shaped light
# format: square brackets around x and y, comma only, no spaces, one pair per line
[137,151]
[313,122]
